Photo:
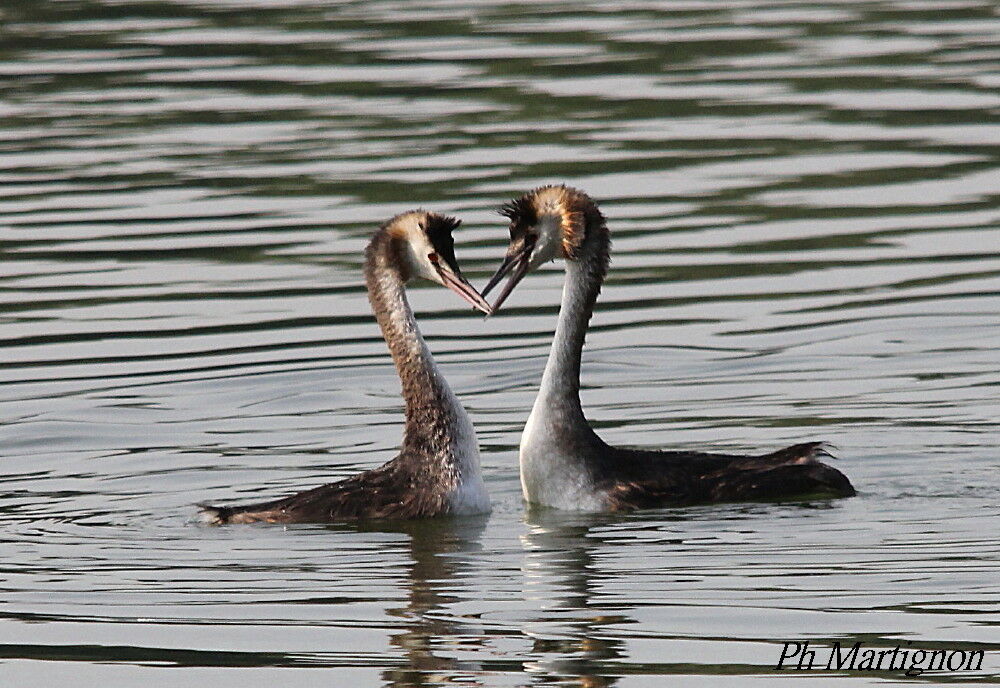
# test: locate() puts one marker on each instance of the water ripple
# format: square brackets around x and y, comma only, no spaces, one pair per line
[803,200]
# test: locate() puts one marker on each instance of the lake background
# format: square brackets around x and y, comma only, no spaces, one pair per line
[804,201]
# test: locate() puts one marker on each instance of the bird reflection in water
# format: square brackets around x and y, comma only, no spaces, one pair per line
[572,644]
[431,632]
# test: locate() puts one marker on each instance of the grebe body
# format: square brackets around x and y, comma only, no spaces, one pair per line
[437,471]
[564,463]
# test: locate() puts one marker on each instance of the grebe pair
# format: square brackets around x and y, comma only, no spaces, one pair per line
[564,464]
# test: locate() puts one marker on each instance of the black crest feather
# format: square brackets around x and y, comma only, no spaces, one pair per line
[521,213]
[520,210]
[438,229]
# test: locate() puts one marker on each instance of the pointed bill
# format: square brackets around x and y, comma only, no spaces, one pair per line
[519,262]
[460,286]
[505,266]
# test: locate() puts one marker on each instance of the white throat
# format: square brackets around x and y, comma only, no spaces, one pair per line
[470,495]
[552,473]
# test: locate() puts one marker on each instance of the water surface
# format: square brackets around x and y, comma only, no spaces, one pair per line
[804,205]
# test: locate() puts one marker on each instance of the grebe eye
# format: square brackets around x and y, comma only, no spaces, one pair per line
[433,258]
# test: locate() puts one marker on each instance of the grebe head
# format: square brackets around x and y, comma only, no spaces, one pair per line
[546,223]
[425,248]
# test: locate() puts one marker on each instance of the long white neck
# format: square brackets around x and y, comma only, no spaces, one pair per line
[560,389]
[557,443]
[559,392]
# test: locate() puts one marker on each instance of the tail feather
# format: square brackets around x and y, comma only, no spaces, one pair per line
[250,513]
[790,480]
[794,471]
[213,515]
[806,452]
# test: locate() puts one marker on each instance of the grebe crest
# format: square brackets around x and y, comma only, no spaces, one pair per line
[548,223]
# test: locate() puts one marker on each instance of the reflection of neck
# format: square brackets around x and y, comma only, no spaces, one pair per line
[431,587]
[560,389]
[563,572]
[429,400]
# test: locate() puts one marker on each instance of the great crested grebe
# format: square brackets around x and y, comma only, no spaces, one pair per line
[437,470]
[564,464]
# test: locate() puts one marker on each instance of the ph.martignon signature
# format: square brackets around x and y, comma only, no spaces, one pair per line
[911,661]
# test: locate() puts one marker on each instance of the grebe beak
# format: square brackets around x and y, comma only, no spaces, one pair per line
[519,262]
[505,266]
[458,284]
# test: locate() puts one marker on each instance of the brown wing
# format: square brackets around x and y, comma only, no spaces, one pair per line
[390,491]
[793,472]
